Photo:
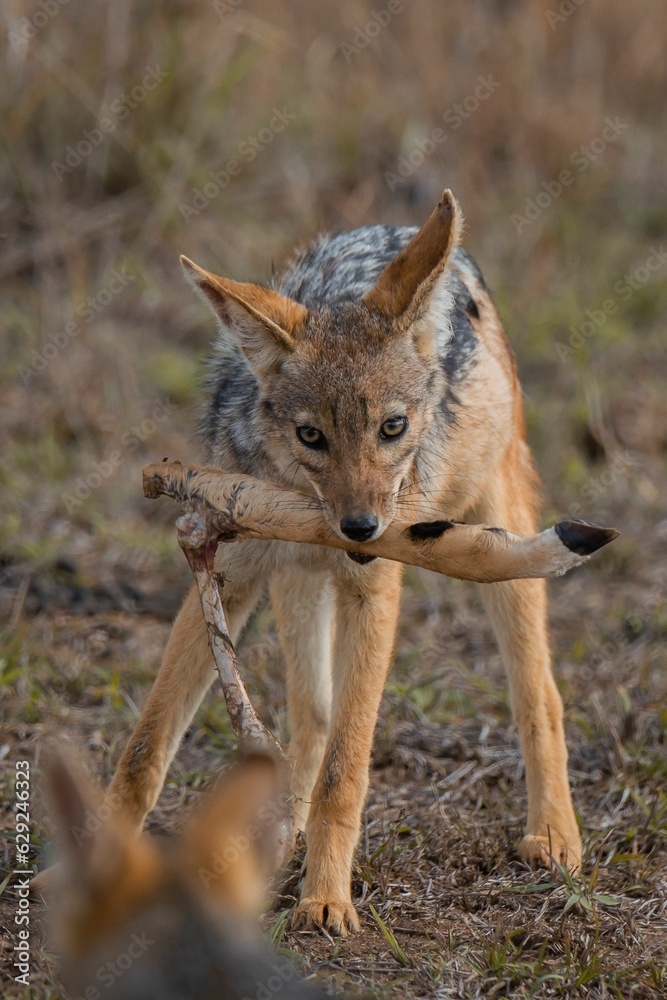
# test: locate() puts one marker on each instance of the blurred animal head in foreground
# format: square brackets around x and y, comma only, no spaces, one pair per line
[138,918]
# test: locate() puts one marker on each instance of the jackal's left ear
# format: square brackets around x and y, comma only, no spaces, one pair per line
[97,844]
[413,289]
[261,321]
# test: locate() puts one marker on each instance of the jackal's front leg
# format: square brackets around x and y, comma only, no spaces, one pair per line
[367,612]
[518,613]
[185,675]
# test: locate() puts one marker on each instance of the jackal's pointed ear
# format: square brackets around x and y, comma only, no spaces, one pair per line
[262,322]
[230,843]
[415,282]
[97,845]
[71,798]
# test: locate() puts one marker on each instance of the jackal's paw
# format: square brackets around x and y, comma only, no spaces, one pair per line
[337,916]
[544,852]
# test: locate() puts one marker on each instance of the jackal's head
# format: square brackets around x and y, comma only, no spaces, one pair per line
[347,392]
[165,919]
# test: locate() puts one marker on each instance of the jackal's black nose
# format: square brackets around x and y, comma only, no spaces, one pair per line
[359,529]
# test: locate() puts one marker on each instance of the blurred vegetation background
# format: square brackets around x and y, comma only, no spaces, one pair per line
[115,116]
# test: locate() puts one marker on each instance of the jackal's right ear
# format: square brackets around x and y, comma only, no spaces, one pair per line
[262,322]
[411,282]
[230,844]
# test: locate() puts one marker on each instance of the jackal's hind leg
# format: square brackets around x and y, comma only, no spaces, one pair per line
[518,613]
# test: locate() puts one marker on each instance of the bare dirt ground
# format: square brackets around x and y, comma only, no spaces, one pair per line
[90,573]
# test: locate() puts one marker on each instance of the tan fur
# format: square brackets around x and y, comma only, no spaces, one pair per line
[245,507]
[251,306]
[479,468]
[280,315]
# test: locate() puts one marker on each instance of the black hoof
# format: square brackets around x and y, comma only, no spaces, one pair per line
[584,538]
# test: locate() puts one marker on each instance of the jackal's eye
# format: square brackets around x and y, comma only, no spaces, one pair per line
[393,428]
[311,437]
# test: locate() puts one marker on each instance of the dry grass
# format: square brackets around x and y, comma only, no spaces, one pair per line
[88,588]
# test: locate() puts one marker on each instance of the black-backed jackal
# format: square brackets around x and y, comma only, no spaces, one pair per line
[375,378]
